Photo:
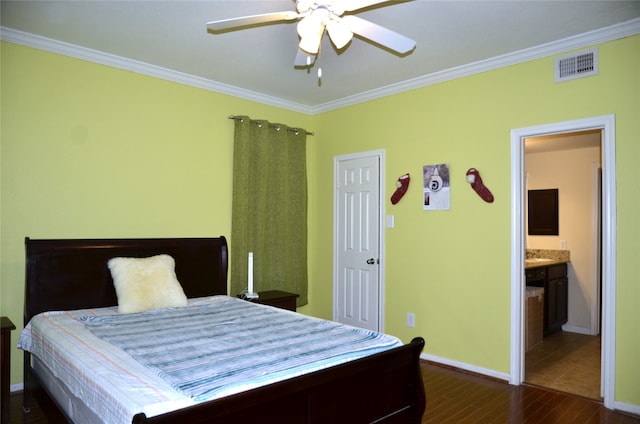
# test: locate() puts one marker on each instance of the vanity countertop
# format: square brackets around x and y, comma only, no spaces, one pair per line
[536,258]
[538,264]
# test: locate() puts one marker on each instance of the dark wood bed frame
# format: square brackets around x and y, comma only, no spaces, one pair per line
[73,274]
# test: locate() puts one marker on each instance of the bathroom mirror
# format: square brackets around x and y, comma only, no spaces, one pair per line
[543,212]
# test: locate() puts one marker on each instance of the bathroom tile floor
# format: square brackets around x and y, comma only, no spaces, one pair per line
[567,362]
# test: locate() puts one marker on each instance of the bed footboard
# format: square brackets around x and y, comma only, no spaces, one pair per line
[382,388]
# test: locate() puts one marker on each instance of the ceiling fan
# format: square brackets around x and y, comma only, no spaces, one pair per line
[316,17]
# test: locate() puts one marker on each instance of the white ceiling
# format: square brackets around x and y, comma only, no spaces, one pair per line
[258,61]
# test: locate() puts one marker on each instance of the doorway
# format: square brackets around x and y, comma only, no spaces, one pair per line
[607,126]
[568,359]
[358,239]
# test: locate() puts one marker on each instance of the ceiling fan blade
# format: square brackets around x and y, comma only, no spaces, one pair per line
[304,59]
[379,34]
[351,5]
[226,24]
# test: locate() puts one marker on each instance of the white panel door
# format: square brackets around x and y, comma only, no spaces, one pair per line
[357,285]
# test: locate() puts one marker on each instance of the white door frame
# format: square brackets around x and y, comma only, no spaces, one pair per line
[606,124]
[380,154]
[596,253]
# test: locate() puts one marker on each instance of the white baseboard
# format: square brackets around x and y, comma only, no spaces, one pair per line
[579,330]
[18,387]
[461,365]
[627,407]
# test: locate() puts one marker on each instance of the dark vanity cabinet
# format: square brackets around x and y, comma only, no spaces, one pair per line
[557,290]
[553,278]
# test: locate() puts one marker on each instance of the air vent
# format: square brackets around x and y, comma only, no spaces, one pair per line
[577,65]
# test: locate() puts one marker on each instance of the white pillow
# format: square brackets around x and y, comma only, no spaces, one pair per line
[146,283]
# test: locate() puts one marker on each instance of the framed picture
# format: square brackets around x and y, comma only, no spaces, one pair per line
[437,195]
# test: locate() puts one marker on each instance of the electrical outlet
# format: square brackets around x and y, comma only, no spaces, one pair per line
[411,319]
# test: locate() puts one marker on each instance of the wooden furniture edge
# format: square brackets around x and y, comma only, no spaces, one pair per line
[388,386]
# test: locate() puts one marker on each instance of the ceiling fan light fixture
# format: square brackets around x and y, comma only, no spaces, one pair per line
[339,34]
[317,16]
[309,46]
[303,6]
[310,29]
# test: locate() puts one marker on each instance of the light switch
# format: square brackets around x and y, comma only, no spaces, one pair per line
[390,221]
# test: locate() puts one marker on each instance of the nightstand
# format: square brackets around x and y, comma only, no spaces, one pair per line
[6,326]
[278,299]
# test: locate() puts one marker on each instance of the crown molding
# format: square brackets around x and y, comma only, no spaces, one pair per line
[591,38]
[78,52]
[614,32]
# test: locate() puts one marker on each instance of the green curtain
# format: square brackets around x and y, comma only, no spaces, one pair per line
[269,207]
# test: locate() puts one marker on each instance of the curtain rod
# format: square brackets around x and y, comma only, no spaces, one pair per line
[295,130]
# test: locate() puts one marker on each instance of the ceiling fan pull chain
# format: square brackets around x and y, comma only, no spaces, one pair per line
[320,61]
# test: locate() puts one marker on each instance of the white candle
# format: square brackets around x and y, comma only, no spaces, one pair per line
[250,275]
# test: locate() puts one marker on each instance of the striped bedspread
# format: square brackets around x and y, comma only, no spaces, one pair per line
[120,365]
[245,345]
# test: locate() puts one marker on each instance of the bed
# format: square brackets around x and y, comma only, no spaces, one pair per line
[72,274]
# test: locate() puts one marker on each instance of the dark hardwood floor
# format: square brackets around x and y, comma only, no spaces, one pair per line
[453,397]
[458,397]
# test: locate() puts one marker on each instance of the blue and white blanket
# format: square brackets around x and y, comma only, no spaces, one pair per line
[211,350]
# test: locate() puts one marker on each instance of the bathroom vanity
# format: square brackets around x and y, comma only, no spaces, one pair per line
[552,276]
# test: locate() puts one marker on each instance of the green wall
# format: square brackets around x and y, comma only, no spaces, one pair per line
[91,151]
[452,268]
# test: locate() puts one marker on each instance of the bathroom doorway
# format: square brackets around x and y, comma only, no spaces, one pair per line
[605,124]
[568,360]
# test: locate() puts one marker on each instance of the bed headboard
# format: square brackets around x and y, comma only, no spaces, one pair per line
[73,274]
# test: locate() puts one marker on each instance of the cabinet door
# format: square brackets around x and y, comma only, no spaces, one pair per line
[562,300]
[557,295]
[556,307]
[551,310]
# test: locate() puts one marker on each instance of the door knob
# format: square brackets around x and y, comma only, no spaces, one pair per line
[371,261]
